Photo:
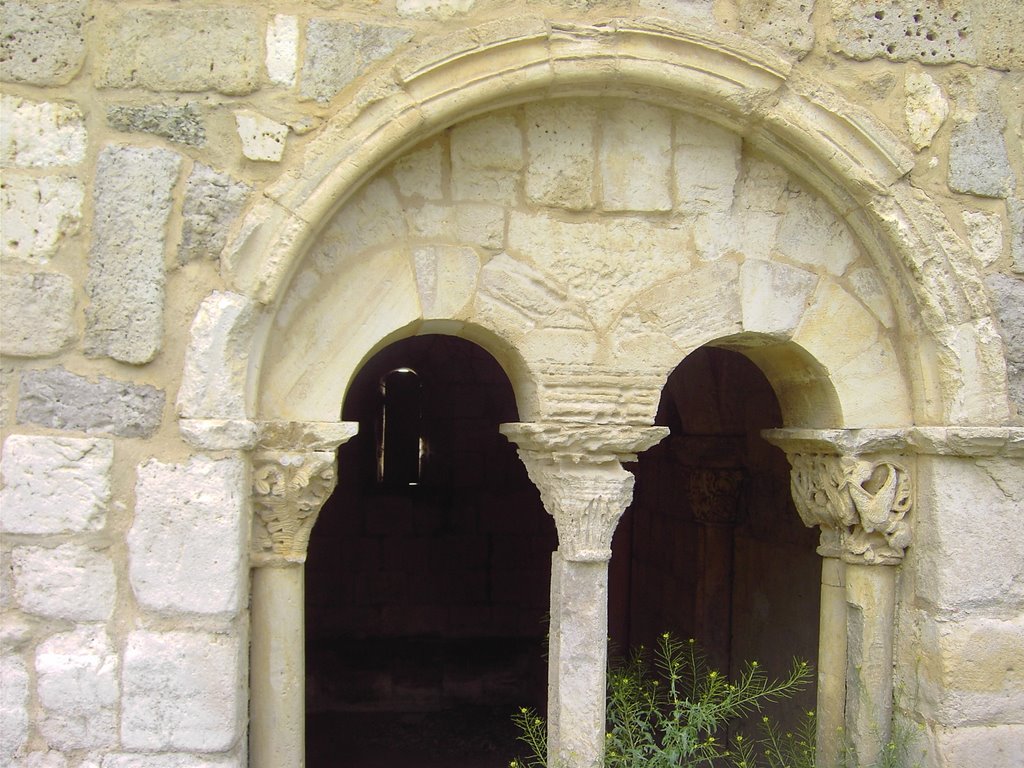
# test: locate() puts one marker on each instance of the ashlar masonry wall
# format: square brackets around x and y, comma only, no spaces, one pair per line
[136,141]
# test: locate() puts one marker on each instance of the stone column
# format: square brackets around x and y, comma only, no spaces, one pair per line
[578,470]
[856,487]
[288,489]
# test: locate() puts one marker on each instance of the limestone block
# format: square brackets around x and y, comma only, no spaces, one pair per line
[219,434]
[216,368]
[514,297]
[37,214]
[871,388]
[13,705]
[6,385]
[186,50]
[55,484]
[699,305]
[1007,295]
[487,156]
[560,139]
[71,582]
[77,681]
[337,52]
[997,24]
[431,221]
[836,328]
[635,158]
[810,233]
[132,199]
[707,164]
[784,24]
[283,49]
[418,174]
[978,160]
[36,314]
[954,496]
[993,746]
[1015,213]
[262,138]
[42,43]
[213,201]
[186,550]
[181,691]
[481,224]
[868,287]
[931,33]
[137,760]
[372,219]
[446,278]
[436,9]
[985,234]
[182,124]
[49,759]
[58,399]
[774,296]
[41,134]
[926,108]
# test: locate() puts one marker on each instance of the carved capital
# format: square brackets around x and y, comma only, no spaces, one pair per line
[577,469]
[288,490]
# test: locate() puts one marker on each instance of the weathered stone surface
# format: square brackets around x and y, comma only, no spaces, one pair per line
[993,746]
[372,219]
[785,24]
[13,705]
[7,379]
[868,287]
[1007,294]
[418,173]
[77,680]
[337,52]
[213,201]
[36,314]
[181,50]
[707,164]
[262,138]
[55,484]
[487,156]
[59,399]
[635,158]
[216,363]
[926,108]
[1015,213]
[182,124]
[125,317]
[283,49]
[71,581]
[49,759]
[985,234]
[42,43]
[181,691]
[560,139]
[997,25]
[37,214]
[811,233]
[41,134]
[446,278]
[185,551]
[774,296]
[438,9]
[978,162]
[219,434]
[137,760]
[481,224]
[931,33]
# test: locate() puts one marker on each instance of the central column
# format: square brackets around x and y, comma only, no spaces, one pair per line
[578,470]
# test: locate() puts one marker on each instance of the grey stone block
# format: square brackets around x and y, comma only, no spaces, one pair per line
[59,399]
[1007,295]
[337,52]
[1015,212]
[41,43]
[132,198]
[181,124]
[932,33]
[213,201]
[978,161]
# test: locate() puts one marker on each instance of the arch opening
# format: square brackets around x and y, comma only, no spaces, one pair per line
[426,600]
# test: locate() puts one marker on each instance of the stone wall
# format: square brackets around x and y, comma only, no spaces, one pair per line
[134,138]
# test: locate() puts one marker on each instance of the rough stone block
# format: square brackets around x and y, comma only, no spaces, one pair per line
[36,314]
[774,296]
[835,328]
[446,278]
[560,139]
[71,582]
[1007,295]
[42,43]
[978,160]
[707,164]
[41,134]
[213,201]
[810,233]
[132,198]
[48,759]
[181,691]
[785,24]
[77,681]
[635,158]
[868,287]
[1015,213]
[190,49]
[13,705]
[997,25]
[373,218]
[418,173]
[283,49]
[55,484]
[992,746]
[182,124]
[487,156]
[262,138]
[431,221]
[137,760]
[186,551]
[437,9]
[337,52]
[932,33]
[58,399]
[219,434]
[37,214]
[985,234]
[926,108]
[481,224]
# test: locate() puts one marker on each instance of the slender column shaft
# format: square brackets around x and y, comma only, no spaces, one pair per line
[831,713]
[871,608]
[713,601]
[277,720]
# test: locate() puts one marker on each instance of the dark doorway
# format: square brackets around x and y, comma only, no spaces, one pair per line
[712,547]
[428,572]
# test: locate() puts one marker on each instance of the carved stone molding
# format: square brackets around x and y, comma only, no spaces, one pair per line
[578,470]
[288,490]
[714,494]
